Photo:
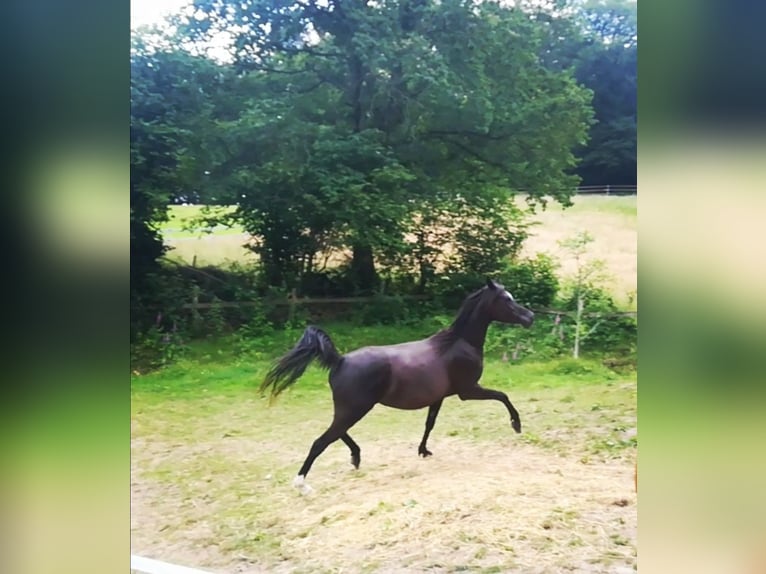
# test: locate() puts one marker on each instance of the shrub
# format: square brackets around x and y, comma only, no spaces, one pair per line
[615,334]
[532,281]
[383,310]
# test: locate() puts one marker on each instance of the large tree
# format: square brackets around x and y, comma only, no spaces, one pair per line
[365,118]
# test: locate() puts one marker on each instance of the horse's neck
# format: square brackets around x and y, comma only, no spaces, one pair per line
[475,333]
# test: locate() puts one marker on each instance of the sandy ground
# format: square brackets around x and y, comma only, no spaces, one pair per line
[499,506]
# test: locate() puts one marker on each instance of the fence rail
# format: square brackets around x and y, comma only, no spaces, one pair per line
[295,301]
[608,189]
[355,300]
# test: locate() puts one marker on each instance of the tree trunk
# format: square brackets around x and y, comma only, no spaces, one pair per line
[578,325]
[363,272]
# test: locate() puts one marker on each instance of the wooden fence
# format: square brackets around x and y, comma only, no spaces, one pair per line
[296,301]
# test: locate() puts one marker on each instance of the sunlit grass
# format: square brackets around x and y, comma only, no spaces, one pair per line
[182,216]
[612,221]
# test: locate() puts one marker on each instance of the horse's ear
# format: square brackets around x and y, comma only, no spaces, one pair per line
[490,283]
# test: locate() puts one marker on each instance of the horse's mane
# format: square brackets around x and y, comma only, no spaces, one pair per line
[446,337]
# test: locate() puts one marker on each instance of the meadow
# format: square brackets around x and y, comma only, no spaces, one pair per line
[610,219]
[212,461]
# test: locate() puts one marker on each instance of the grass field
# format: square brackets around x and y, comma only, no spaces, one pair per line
[610,219]
[211,466]
[613,223]
[221,247]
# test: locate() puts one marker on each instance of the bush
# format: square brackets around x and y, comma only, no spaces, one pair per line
[159,305]
[156,347]
[451,289]
[532,281]
[615,334]
[383,310]
[330,283]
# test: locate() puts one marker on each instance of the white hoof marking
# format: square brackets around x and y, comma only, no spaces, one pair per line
[299,482]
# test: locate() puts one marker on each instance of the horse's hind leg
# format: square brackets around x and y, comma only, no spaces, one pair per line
[356,453]
[344,420]
[333,433]
[433,410]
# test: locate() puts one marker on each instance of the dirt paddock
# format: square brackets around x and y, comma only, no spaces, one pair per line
[475,506]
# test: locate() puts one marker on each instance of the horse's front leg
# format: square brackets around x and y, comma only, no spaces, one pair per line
[478,393]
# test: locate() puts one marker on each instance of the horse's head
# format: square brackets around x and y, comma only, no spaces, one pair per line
[503,308]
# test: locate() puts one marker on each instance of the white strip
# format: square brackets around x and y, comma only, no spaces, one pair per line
[151,566]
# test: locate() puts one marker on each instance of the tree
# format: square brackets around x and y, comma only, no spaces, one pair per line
[607,64]
[587,274]
[363,116]
[170,97]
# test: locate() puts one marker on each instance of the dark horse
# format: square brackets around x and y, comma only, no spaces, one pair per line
[406,376]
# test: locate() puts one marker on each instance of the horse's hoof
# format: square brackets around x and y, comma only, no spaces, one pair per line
[355,461]
[516,425]
[299,482]
[424,452]
[306,489]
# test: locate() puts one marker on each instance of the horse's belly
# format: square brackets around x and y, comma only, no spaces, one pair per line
[415,390]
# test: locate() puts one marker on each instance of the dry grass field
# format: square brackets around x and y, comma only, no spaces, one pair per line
[610,219]
[612,222]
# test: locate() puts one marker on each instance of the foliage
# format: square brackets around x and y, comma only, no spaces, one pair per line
[157,347]
[359,124]
[170,92]
[157,302]
[391,134]
[383,310]
[607,64]
[615,333]
[532,281]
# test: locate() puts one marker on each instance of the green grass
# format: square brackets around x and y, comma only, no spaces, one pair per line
[625,205]
[215,372]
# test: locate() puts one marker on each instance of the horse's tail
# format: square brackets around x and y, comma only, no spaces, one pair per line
[314,344]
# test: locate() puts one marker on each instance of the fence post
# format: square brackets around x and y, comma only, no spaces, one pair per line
[196,317]
[291,308]
[607,189]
